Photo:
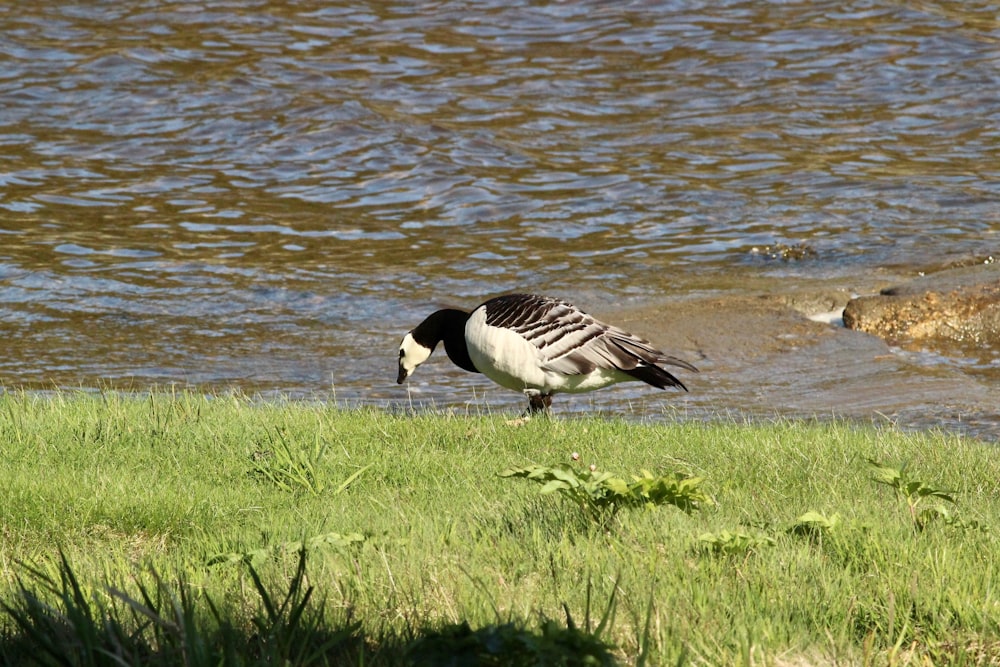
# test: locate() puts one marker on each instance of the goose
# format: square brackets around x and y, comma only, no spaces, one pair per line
[538,345]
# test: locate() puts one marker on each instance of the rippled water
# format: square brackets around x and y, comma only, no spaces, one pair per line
[268,194]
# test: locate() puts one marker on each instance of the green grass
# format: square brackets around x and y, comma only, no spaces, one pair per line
[221,530]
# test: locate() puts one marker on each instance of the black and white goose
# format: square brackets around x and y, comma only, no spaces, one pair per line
[539,345]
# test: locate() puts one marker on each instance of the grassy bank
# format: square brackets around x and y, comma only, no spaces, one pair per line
[182,519]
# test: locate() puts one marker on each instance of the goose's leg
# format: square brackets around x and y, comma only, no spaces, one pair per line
[539,403]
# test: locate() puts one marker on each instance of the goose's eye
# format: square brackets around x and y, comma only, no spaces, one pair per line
[402,354]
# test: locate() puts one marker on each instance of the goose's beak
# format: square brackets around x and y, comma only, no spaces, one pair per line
[401,378]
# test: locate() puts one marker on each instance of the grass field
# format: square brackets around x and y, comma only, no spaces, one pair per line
[182,529]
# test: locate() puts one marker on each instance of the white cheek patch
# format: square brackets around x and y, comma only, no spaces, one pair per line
[412,354]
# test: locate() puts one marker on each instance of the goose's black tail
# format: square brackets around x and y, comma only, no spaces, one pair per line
[655,376]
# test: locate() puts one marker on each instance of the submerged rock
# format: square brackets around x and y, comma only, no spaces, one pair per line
[956,306]
[785,252]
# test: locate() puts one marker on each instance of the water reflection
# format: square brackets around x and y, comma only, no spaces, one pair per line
[266,194]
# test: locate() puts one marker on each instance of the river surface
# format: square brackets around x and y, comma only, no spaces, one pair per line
[267,195]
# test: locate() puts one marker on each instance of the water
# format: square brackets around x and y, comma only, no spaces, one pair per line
[268,195]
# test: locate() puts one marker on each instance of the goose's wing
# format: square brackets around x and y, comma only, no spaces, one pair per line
[570,341]
[606,346]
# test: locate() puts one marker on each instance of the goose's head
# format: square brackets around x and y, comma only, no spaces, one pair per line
[411,355]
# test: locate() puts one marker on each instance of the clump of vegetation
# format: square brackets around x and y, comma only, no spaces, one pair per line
[814,525]
[914,491]
[602,493]
[263,554]
[62,621]
[290,466]
[726,543]
[295,468]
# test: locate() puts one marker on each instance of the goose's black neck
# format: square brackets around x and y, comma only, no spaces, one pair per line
[447,325]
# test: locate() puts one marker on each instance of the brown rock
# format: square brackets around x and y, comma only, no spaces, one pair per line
[959,306]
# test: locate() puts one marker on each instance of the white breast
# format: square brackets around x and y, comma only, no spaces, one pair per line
[503,355]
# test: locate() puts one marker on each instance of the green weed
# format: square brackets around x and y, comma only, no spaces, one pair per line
[914,491]
[602,493]
[814,525]
[263,554]
[733,544]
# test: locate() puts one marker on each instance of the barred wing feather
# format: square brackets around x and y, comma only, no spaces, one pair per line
[570,341]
